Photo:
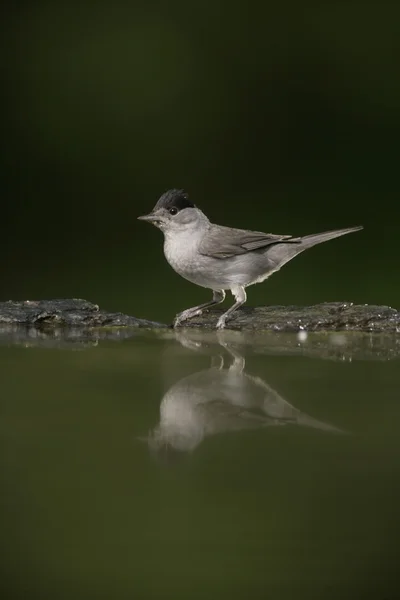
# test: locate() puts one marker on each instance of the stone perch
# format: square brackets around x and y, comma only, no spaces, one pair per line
[80,314]
[329,316]
[70,313]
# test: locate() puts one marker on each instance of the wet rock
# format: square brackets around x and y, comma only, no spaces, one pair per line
[65,313]
[77,319]
[329,316]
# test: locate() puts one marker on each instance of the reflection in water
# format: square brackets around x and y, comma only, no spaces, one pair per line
[220,399]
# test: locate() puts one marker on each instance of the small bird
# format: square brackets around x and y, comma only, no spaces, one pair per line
[222,258]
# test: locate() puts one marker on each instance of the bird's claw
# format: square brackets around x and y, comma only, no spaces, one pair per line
[185,315]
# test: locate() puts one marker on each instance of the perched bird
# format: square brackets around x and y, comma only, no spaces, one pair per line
[222,258]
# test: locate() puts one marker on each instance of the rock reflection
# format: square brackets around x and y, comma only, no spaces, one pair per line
[221,399]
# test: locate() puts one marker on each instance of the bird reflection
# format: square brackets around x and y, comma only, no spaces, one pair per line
[220,399]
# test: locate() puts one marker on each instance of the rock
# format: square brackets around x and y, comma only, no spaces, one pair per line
[330,316]
[75,313]
[339,331]
[75,316]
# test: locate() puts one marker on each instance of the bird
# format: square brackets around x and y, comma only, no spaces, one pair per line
[222,258]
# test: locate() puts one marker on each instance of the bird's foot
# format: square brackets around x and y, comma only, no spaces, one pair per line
[185,315]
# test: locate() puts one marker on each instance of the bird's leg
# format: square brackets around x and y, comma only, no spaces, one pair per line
[218,297]
[239,293]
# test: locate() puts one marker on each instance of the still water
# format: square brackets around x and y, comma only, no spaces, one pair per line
[194,465]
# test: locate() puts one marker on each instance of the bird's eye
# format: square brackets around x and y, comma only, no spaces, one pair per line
[173,210]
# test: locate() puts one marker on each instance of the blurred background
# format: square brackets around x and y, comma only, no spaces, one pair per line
[275,117]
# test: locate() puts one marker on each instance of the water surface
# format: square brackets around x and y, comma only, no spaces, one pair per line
[198,465]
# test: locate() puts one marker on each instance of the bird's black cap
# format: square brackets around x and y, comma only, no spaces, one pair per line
[174,198]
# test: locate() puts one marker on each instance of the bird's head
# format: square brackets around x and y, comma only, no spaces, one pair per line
[174,212]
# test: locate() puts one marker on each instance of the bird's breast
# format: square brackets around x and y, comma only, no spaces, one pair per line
[180,252]
[184,257]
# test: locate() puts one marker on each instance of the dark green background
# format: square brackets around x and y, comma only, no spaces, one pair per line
[276,117]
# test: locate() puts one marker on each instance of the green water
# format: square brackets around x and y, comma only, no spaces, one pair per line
[186,466]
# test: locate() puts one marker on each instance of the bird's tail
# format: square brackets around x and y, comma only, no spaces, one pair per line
[281,253]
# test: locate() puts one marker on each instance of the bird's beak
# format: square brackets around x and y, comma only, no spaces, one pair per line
[151,218]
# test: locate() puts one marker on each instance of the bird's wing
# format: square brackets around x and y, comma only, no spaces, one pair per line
[224,242]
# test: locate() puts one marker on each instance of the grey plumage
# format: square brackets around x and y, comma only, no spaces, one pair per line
[225,242]
[222,258]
